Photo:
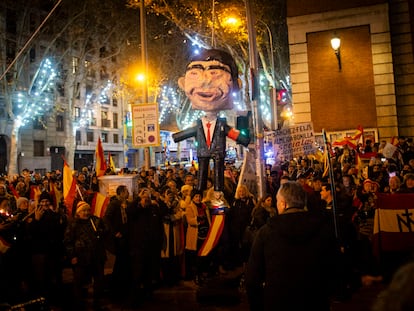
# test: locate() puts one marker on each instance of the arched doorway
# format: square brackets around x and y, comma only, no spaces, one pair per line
[3,155]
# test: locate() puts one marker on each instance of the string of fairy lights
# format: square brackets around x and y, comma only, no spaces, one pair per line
[40,96]
[39,99]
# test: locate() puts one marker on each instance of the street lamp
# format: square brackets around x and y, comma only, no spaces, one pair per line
[144,58]
[336,44]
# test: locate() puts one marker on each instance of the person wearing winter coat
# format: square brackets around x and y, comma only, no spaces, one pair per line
[199,220]
[292,260]
[85,248]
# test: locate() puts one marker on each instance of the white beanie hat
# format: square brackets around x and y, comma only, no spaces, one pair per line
[82,205]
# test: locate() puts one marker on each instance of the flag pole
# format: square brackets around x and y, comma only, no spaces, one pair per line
[332,182]
[255,101]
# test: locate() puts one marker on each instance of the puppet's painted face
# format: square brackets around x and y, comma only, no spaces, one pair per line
[208,85]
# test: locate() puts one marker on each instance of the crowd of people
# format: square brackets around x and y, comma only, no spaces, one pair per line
[163,235]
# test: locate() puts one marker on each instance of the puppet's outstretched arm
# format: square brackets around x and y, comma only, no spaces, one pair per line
[187,133]
[238,136]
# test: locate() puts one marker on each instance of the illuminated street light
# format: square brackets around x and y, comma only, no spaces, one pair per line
[144,58]
[140,77]
[336,44]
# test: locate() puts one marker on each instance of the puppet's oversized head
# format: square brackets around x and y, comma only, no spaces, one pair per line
[210,79]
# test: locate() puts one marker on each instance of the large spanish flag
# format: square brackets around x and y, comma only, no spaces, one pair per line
[99,204]
[100,165]
[394,223]
[213,236]
[69,187]
[351,141]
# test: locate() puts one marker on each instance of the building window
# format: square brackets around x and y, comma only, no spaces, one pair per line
[32,55]
[104,137]
[103,73]
[88,90]
[77,90]
[116,139]
[104,119]
[39,123]
[89,136]
[75,64]
[78,137]
[77,113]
[115,120]
[114,101]
[38,148]
[89,70]
[61,89]
[60,126]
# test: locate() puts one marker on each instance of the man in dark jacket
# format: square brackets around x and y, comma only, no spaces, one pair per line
[292,260]
[146,234]
[116,220]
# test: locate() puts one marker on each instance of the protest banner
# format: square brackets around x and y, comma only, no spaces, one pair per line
[394,223]
[293,141]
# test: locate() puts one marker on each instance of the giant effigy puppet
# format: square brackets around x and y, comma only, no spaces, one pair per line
[209,81]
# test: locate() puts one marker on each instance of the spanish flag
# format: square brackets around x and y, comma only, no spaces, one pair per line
[99,204]
[100,165]
[213,235]
[111,163]
[351,141]
[69,187]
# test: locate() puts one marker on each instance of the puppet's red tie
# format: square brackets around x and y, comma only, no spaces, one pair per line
[208,134]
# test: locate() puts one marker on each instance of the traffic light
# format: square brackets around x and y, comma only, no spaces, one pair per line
[284,107]
[244,124]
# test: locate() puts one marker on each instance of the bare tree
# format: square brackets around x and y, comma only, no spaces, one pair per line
[205,24]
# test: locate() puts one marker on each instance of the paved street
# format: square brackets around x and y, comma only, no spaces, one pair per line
[183,297]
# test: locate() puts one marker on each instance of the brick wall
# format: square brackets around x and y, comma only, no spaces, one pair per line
[340,99]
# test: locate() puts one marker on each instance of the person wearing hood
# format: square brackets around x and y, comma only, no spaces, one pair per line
[292,260]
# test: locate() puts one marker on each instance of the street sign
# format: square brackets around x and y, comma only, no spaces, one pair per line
[145,126]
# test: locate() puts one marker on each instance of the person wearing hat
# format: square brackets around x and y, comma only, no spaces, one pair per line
[85,248]
[210,79]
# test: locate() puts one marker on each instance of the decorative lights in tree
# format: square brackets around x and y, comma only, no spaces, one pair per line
[87,111]
[39,99]
[168,102]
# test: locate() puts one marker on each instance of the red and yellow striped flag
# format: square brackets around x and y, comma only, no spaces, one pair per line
[99,204]
[69,187]
[100,165]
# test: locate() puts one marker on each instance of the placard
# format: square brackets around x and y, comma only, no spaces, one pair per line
[145,126]
[294,141]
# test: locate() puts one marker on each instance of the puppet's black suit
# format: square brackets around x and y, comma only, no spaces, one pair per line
[217,150]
